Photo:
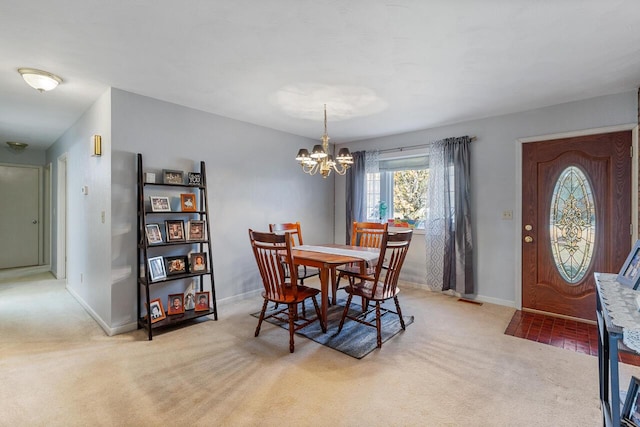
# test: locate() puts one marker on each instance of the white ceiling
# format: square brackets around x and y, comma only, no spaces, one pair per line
[382,67]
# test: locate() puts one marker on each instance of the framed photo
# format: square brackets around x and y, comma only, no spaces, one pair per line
[176,304]
[153,234]
[156,311]
[194,178]
[202,301]
[176,265]
[156,269]
[631,409]
[172,177]
[630,273]
[188,202]
[189,300]
[198,262]
[195,230]
[160,204]
[175,230]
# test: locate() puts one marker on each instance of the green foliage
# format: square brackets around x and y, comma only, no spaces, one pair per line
[409,194]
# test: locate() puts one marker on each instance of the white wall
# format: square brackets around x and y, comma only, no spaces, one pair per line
[253,180]
[30,156]
[494,171]
[88,243]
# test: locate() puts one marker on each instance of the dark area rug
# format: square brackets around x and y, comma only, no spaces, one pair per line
[355,339]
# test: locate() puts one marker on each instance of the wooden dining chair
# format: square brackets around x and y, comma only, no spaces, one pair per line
[378,287]
[369,235]
[271,252]
[294,231]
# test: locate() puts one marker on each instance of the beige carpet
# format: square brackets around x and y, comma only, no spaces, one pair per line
[452,367]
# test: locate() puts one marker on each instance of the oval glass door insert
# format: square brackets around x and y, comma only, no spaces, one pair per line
[572,223]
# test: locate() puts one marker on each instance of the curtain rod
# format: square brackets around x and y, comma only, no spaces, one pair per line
[413,147]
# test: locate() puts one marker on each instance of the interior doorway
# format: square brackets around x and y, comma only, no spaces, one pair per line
[576,219]
[21,226]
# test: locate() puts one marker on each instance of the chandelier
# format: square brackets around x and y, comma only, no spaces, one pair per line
[320,160]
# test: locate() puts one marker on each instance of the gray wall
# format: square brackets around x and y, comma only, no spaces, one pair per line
[88,237]
[30,156]
[252,176]
[253,180]
[495,169]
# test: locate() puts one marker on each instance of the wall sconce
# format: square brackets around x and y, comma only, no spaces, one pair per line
[97,146]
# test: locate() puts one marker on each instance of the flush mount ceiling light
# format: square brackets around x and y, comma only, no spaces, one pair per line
[40,80]
[18,147]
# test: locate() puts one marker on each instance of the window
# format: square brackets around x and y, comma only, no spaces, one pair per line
[398,190]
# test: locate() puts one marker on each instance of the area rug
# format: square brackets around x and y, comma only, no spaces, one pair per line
[355,339]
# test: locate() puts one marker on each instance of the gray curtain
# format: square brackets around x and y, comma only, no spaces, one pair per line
[448,225]
[355,192]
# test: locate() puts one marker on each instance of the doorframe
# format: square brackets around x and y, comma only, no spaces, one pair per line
[61,222]
[518,208]
[40,211]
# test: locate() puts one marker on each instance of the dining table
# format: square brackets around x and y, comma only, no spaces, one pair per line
[327,258]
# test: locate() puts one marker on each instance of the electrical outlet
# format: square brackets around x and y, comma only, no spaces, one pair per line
[507,215]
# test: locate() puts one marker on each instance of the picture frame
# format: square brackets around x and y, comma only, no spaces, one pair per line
[188,202]
[160,204]
[196,230]
[198,262]
[195,178]
[189,300]
[156,268]
[154,236]
[629,274]
[175,304]
[175,230]
[172,177]
[175,265]
[202,301]
[631,408]
[156,310]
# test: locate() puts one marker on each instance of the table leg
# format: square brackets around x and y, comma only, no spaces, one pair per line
[615,385]
[334,290]
[324,293]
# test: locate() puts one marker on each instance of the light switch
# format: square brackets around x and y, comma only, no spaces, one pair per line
[85,190]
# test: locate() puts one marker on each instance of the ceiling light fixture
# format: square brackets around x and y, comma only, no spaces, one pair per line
[18,147]
[40,80]
[321,160]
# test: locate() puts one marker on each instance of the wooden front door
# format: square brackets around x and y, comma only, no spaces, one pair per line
[576,219]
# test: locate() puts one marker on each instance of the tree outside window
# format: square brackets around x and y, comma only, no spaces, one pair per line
[398,192]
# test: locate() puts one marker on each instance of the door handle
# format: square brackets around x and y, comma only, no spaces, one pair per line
[35,221]
[528,239]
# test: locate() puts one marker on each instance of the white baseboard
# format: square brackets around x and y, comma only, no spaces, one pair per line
[107,329]
[478,298]
[239,297]
[12,273]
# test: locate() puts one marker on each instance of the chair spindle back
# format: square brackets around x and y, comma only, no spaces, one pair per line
[394,250]
[368,234]
[273,256]
[292,229]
